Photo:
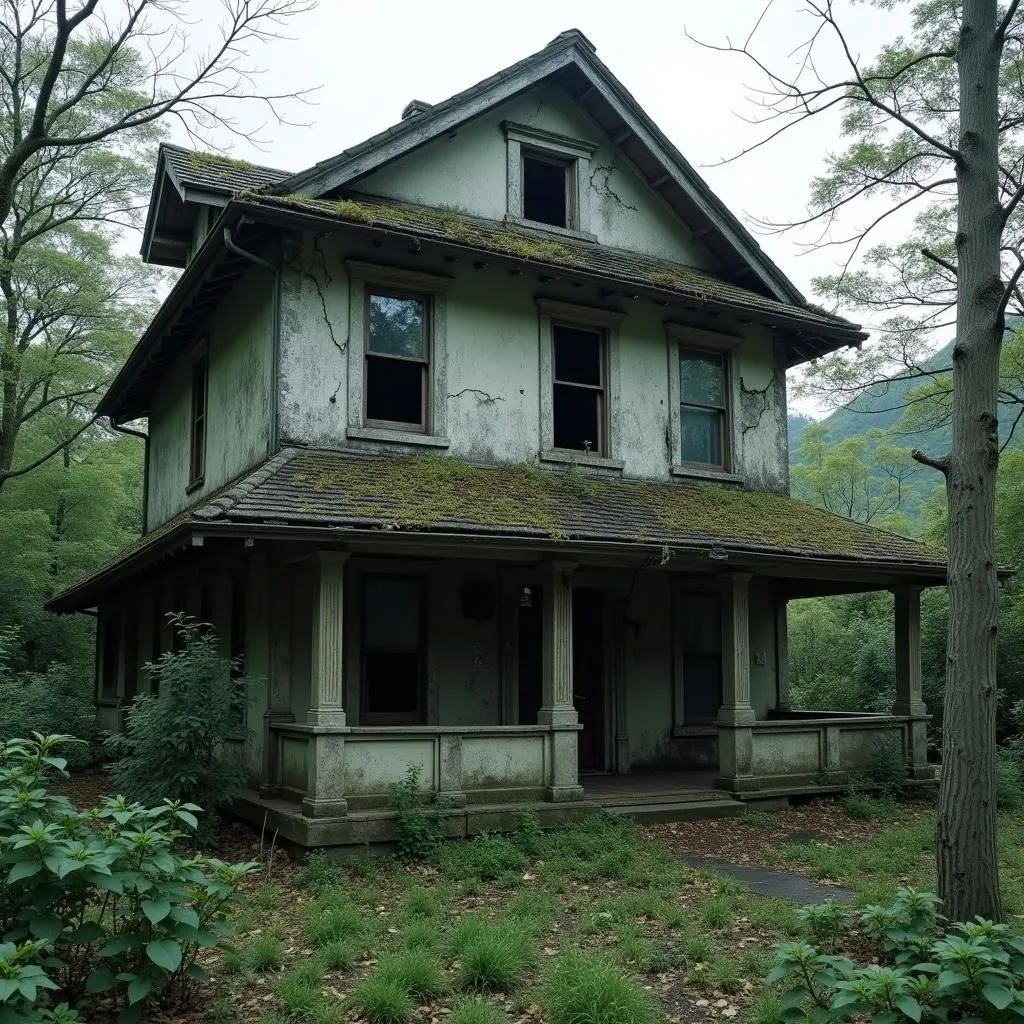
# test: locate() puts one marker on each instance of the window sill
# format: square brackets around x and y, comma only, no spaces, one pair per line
[586,459]
[717,475]
[540,227]
[409,437]
[194,485]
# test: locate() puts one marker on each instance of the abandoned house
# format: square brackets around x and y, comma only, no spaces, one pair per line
[471,440]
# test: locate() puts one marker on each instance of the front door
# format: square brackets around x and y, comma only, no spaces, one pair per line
[588,664]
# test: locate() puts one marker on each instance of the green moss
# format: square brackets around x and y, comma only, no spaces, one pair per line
[200,162]
[528,247]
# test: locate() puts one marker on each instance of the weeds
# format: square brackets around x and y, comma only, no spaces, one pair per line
[383,1001]
[585,989]
[493,958]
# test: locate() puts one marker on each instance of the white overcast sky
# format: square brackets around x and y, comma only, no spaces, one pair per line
[369,60]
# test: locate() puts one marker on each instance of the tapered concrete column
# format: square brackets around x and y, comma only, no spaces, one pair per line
[557,709]
[736,716]
[327,676]
[909,701]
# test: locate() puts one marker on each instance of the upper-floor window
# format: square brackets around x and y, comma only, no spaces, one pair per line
[396,364]
[397,361]
[548,179]
[578,400]
[197,436]
[702,408]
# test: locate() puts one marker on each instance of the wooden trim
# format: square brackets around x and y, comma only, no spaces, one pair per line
[198,420]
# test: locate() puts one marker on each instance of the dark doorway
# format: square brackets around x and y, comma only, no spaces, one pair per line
[531,653]
[588,675]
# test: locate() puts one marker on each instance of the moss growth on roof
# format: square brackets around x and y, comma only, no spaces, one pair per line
[201,162]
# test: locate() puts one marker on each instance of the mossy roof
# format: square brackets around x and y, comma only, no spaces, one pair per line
[498,237]
[212,172]
[436,494]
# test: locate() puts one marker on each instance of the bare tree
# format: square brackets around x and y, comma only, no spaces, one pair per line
[934,124]
[84,95]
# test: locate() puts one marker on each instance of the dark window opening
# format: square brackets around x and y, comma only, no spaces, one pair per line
[578,388]
[110,653]
[702,657]
[546,191]
[702,410]
[397,361]
[197,442]
[531,653]
[393,652]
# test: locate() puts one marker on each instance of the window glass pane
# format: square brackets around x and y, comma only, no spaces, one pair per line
[544,191]
[576,416]
[391,615]
[394,390]
[577,354]
[701,435]
[396,326]
[702,377]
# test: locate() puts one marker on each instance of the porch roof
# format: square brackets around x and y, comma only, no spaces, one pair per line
[351,494]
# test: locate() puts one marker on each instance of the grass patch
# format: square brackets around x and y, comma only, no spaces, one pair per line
[758,819]
[485,857]
[493,958]
[301,989]
[337,955]
[716,911]
[318,873]
[415,971]
[263,953]
[334,922]
[869,808]
[586,989]
[383,1001]
[476,1011]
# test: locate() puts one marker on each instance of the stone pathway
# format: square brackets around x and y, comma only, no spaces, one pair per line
[779,885]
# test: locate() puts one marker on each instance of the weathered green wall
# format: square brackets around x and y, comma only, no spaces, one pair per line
[239,405]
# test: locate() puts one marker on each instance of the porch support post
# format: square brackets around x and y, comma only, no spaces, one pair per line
[325,765]
[736,716]
[909,701]
[557,710]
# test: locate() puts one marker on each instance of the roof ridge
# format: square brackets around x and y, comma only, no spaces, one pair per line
[227,500]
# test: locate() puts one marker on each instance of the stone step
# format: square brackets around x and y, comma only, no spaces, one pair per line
[678,810]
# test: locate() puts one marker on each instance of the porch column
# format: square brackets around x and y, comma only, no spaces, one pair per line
[557,709]
[325,766]
[736,716]
[908,678]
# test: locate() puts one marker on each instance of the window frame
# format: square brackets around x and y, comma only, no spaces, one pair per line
[367,279]
[198,420]
[424,361]
[522,140]
[553,313]
[568,165]
[382,718]
[683,337]
[601,388]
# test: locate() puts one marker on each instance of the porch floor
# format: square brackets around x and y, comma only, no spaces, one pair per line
[644,787]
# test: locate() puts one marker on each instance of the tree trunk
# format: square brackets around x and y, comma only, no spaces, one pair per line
[966,847]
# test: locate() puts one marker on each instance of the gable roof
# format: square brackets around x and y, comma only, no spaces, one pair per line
[571,61]
[347,494]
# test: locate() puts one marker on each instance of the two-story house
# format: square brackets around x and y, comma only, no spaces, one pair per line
[471,440]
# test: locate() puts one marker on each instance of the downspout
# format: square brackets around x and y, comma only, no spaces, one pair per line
[145,469]
[231,246]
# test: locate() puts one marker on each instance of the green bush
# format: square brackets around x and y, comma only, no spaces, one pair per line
[174,745]
[419,829]
[585,989]
[929,972]
[58,700]
[98,901]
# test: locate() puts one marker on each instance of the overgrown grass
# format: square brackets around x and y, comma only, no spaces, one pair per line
[585,989]
[493,958]
[383,1001]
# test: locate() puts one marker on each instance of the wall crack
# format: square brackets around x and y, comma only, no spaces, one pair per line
[603,185]
[755,402]
[482,397]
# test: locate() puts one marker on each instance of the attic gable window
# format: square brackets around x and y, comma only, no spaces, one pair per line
[548,180]
[197,435]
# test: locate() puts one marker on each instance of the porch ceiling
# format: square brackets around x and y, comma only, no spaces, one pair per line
[351,495]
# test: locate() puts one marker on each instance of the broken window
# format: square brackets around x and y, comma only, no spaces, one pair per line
[397,361]
[578,399]
[393,652]
[197,441]
[702,408]
[546,183]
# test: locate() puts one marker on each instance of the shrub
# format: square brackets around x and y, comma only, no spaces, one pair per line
[494,958]
[174,742]
[585,989]
[931,973]
[418,829]
[383,1000]
[98,900]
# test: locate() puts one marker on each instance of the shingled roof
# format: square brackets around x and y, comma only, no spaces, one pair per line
[355,494]
[631,268]
[209,172]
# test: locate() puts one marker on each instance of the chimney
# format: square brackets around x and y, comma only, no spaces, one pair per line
[414,107]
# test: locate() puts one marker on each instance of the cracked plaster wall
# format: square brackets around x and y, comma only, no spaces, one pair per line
[467,171]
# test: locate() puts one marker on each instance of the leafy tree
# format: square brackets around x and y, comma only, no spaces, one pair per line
[83,95]
[934,123]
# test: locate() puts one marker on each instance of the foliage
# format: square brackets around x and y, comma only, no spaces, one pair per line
[98,901]
[585,989]
[493,958]
[383,1000]
[174,742]
[824,922]
[971,970]
[419,829]
[485,857]
[415,971]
